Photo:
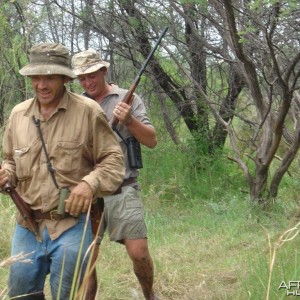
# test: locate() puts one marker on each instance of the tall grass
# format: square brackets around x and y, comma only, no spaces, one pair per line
[212,207]
[7,222]
[184,174]
[208,241]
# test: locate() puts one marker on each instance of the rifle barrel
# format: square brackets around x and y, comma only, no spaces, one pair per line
[151,53]
[128,97]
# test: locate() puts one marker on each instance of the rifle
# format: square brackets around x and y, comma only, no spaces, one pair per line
[23,208]
[129,95]
[96,215]
[92,280]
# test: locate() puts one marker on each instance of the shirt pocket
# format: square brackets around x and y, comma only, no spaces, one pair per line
[22,160]
[67,156]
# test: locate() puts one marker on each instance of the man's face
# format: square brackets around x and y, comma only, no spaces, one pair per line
[93,83]
[49,89]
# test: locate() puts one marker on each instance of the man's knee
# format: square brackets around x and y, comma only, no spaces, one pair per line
[138,249]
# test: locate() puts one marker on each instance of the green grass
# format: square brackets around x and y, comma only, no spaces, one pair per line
[207,240]
[199,254]
[207,252]
[6,224]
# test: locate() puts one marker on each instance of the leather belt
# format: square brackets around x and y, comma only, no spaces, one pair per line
[53,215]
[49,215]
[126,182]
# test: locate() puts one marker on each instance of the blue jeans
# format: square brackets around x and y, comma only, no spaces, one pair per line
[57,257]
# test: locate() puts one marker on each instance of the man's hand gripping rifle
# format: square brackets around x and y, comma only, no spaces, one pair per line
[23,208]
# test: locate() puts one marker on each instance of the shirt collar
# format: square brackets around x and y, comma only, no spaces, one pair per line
[33,109]
[115,89]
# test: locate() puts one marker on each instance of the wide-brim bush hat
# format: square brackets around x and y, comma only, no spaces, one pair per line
[88,61]
[48,59]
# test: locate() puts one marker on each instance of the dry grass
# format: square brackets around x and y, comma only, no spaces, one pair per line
[190,263]
[7,222]
[186,270]
[198,254]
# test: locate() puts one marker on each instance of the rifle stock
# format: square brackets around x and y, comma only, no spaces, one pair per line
[23,208]
[96,214]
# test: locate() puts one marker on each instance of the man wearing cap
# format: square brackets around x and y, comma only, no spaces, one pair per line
[53,141]
[123,213]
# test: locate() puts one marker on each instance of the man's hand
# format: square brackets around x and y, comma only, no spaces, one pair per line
[3,178]
[79,199]
[122,112]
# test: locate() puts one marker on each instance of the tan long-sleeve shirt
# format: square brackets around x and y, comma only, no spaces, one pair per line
[80,145]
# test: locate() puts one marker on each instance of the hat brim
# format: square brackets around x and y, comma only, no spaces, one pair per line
[43,69]
[86,69]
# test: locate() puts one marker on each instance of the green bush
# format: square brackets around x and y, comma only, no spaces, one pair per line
[174,175]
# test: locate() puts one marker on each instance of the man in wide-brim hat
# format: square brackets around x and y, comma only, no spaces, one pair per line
[56,144]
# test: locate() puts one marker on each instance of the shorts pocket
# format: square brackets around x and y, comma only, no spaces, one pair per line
[133,205]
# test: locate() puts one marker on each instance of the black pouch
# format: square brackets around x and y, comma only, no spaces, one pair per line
[134,153]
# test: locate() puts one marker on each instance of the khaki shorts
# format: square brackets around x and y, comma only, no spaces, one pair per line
[123,216]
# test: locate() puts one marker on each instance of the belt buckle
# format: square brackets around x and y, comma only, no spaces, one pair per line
[52,216]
